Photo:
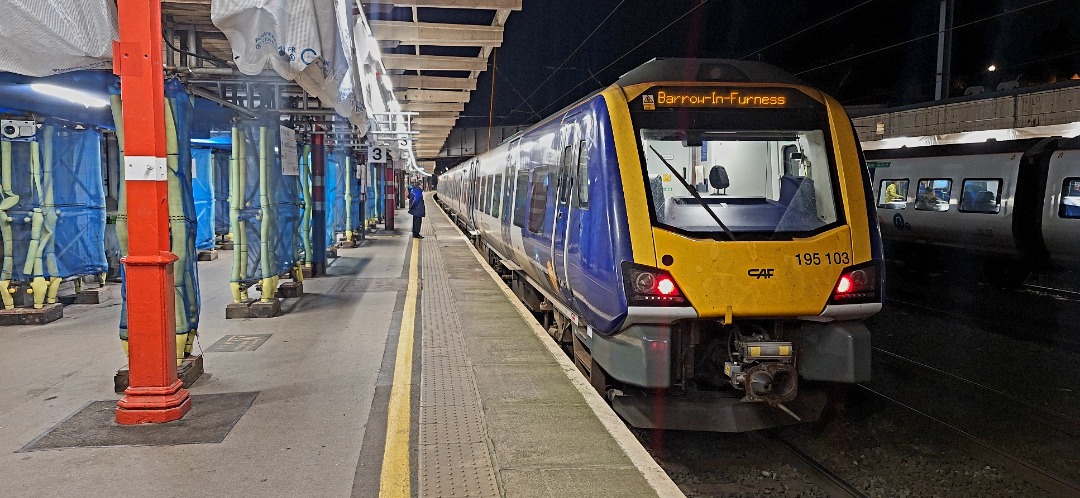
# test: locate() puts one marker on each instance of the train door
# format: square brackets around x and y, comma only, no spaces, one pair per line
[1061,210]
[509,174]
[567,169]
[474,194]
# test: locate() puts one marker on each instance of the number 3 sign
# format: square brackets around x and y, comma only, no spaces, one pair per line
[377,155]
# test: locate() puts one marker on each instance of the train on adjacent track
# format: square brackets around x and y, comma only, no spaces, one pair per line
[702,235]
[1014,204]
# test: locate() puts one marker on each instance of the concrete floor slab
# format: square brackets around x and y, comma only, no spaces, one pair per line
[211,418]
[510,349]
[523,438]
[530,384]
[560,483]
[302,436]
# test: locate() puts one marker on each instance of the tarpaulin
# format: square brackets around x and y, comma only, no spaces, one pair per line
[63,195]
[202,189]
[283,205]
[307,41]
[40,38]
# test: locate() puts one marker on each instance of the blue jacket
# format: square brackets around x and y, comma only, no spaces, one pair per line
[416,202]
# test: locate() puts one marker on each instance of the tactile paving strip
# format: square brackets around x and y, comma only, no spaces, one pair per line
[455,458]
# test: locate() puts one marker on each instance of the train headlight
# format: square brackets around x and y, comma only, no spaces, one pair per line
[857,284]
[644,283]
[648,286]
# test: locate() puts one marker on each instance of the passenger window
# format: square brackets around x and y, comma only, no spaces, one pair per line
[980,195]
[582,183]
[893,194]
[496,200]
[538,200]
[481,199]
[933,194]
[1070,199]
[521,191]
[792,160]
[491,196]
[564,179]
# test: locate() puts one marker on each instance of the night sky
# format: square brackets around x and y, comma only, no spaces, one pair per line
[1038,44]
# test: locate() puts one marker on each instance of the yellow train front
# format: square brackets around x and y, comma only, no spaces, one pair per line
[701,233]
[755,249]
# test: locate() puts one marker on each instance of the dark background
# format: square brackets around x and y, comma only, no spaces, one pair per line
[846,54]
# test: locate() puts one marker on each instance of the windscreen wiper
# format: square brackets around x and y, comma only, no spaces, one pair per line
[693,192]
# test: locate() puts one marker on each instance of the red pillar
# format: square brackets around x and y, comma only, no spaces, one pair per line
[391,202]
[155,394]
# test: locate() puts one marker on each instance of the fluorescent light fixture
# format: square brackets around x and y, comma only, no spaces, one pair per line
[73,96]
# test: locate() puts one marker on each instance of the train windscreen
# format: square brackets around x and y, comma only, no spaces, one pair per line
[761,182]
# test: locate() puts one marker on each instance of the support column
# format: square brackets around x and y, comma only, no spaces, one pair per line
[154,393]
[318,199]
[391,202]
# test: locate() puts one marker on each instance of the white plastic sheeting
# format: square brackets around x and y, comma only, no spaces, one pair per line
[40,37]
[308,41]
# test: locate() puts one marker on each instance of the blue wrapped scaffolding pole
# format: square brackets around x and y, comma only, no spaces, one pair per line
[267,210]
[53,195]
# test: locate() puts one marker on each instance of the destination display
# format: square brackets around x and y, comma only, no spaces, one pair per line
[721,98]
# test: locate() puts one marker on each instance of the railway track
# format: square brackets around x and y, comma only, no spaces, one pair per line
[1054,419]
[1062,293]
[1038,475]
[994,323]
[821,475]
[763,463]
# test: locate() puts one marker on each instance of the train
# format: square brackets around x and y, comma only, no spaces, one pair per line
[1011,206]
[701,236]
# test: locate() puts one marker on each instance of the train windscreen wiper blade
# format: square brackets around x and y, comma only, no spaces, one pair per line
[693,192]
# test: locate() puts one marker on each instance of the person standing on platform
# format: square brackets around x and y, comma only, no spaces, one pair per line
[416,208]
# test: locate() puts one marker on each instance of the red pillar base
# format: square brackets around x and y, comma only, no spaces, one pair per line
[153,405]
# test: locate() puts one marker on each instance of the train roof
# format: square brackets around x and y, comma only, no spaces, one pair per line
[979,148]
[718,70]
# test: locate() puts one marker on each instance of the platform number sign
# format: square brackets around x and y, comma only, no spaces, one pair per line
[377,155]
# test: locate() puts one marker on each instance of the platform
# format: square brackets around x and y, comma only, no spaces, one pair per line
[493,409]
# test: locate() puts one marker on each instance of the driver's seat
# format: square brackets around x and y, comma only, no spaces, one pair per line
[718,178]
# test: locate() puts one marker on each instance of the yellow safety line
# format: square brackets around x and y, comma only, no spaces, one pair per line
[394,481]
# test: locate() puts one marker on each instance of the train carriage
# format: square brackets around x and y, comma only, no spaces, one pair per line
[702,242]
[1013,204]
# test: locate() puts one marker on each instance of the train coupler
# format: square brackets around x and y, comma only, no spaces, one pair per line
[764,371]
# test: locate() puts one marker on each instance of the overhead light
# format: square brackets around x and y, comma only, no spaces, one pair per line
[73,96]
[992,68]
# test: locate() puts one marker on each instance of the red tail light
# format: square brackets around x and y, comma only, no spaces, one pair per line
[666,286]
[648,286]
[845,286]
[857,284]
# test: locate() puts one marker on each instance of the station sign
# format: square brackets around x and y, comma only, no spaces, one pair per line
[377,155]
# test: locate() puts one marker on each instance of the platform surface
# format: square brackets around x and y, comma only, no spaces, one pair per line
[492,409]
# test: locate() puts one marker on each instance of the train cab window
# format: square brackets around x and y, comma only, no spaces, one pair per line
[496,199]
[980,195]
[581,184]
[1070,199]
[933,194]
[893,194]
[521,190]
[751,191]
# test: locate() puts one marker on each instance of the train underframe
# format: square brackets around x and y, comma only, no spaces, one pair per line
[700,374]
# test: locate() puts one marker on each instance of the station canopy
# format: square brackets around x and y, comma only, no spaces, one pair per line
[370,69]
